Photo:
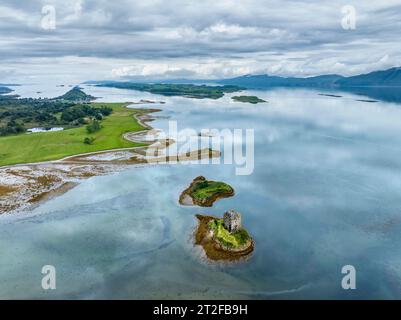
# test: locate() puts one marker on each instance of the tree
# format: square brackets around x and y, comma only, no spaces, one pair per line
[89,140]
[93,127]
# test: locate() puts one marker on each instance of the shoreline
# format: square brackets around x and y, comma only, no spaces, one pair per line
[24,186]
[61,160]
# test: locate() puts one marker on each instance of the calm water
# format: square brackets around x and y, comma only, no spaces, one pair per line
[325,192]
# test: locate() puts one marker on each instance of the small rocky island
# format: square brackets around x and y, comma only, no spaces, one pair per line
[248,99]
[204,192]
[224,239]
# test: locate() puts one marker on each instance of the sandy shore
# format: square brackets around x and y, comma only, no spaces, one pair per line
[25,185]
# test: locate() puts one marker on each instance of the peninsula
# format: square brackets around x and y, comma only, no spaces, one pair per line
[70,110]
[184,90]
[38,166]
[4,90]
[76,95]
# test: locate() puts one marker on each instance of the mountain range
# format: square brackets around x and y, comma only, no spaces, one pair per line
[384,78]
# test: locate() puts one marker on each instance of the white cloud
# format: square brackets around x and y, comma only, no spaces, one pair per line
[208,39]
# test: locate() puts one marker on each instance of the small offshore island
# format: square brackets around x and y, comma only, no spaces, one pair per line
[224,239]
[248,99]
[204,192]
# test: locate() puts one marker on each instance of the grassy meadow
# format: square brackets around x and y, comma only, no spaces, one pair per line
[37,147]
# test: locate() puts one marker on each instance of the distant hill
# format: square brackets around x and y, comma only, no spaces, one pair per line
[390,77]
[263,81]
[4,90]
[207,88]
[76,95]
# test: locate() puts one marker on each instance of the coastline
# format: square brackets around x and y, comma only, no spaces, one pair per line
[24,186]
[142,122]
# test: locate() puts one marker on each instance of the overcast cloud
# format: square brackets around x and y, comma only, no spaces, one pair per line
[120,39]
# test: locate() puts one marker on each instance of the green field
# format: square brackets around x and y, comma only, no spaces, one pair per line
[231,240]
[36,147]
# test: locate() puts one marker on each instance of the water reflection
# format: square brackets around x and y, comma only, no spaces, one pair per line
[325,192]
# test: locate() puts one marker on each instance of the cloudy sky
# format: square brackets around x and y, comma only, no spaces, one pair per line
[78,40]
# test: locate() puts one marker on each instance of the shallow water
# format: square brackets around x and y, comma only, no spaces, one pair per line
[325,192]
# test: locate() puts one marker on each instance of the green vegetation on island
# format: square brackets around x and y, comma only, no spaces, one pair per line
[184,90]
[234,240]
[36,147]
[248,99]
[204,193]
[206,189]
[223,239]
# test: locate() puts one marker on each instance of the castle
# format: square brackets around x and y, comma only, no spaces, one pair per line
[232,221]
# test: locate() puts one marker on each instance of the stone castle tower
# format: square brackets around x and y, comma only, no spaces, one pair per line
[232,221]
